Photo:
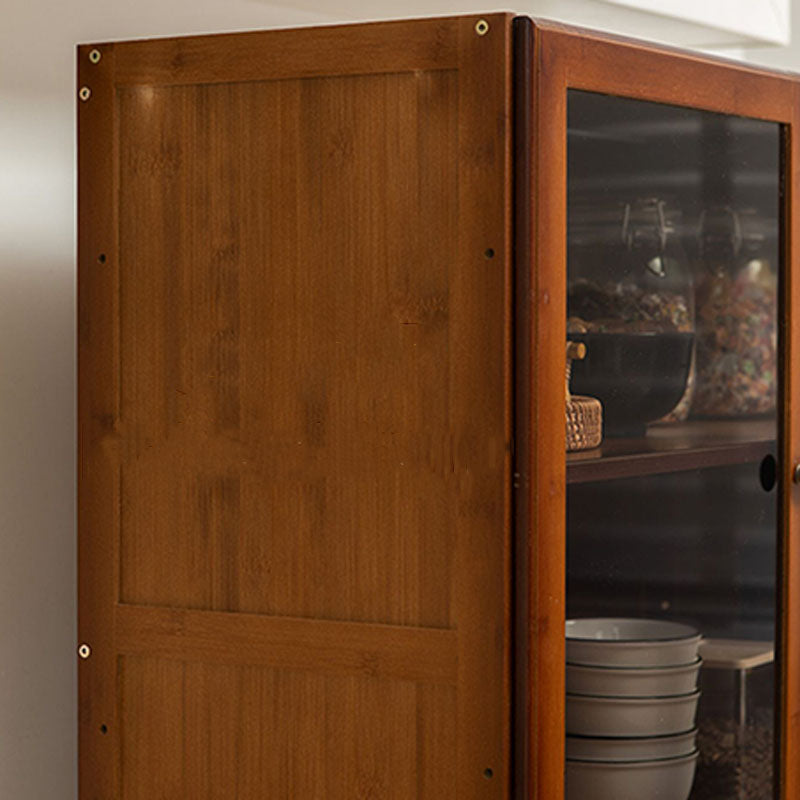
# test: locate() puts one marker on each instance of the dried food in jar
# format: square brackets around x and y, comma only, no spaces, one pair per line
[681,411]
[625,308]
[736,344]
[638,337]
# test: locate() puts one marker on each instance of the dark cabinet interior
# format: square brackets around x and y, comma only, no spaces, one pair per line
[674,273]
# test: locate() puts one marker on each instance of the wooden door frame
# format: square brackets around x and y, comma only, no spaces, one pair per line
[551,59]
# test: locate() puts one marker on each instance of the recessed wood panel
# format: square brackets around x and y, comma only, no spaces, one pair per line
[190,729]
[286,333]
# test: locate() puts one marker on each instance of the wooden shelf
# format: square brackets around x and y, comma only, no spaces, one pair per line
[675,448]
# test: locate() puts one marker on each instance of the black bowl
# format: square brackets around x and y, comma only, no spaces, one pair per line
[638,377]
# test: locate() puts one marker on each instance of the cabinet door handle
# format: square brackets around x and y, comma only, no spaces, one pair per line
[796,473]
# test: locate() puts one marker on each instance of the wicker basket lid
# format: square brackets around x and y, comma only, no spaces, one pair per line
[584,415]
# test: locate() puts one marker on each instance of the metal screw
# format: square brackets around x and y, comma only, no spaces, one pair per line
[85,93]
[481,27]
[95,56]
[84,651]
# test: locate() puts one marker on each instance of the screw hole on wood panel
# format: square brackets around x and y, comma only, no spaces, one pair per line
[768,473]
[104,729]
[481,27]
[489,253]
[488,773]
[102,258]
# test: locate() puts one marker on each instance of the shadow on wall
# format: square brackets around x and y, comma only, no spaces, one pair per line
[37,451]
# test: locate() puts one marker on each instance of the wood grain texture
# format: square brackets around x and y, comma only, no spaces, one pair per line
[382,47]
[98,416]
[284,393]
[306,351]
[596,62]
[482,288]
[788,652]
[420,654]
[547,468]
[246,731]
[565,59]
[675,448]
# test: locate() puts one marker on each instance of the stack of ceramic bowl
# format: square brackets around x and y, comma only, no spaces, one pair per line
[631,703]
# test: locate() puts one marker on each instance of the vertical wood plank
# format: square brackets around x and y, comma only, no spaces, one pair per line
[548,431]
[480,291]
[98,424]
[788,766]
[299,764]
[371,735]
[153,698]
[436,728]
[550,326]
[215,708]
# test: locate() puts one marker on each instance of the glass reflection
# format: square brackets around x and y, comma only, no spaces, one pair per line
[673,282]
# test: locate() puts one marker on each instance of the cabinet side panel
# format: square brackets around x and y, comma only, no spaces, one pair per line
[296,377]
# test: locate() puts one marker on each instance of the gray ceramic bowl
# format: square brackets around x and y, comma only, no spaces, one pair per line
[632,681]
[630,716]
[643,748]
[621,642]
[663,779]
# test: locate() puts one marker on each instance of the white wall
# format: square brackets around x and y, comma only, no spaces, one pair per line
[37,352]
[36,419]
[37,383]
[780,57]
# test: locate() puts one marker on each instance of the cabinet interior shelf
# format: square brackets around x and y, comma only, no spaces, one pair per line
[675,448]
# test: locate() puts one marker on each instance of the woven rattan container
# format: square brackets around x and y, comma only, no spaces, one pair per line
[584,414]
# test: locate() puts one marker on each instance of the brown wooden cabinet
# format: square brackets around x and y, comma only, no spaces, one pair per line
[323,491]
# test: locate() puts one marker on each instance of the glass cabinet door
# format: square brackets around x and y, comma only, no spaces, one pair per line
[674,274]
